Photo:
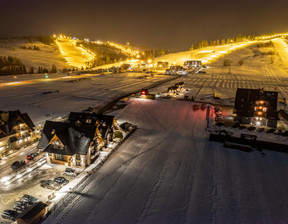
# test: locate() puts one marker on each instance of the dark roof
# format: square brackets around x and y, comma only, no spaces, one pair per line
[82,117]
[13,139]
[105,121]
[32,211]
[245,101]
[75,138]
[12,118]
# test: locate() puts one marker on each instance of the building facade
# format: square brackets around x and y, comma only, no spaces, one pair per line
[256,107]
[16,131]
[77,142]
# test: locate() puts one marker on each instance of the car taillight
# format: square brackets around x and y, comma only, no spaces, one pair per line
[143,93]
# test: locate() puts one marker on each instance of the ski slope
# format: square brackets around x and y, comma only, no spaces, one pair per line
[168,172]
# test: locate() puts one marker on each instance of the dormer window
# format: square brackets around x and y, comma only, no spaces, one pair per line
[58,145]
[88,121]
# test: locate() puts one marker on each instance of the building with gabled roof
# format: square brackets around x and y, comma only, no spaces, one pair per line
[74,143]
[68,144]
[256,107]
[106,125]
[16,130]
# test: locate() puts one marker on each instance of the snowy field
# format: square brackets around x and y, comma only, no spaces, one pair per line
[168,172]
[49,98]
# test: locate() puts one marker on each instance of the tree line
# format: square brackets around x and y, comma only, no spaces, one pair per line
[206,43]
[14,66]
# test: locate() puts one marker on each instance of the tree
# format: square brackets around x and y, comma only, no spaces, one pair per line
[240,62]
[54,69]
[31,70]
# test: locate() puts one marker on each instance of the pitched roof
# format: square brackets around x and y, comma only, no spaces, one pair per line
[105,121]
[82,118]
[12,118]
[75,138]
[32,211]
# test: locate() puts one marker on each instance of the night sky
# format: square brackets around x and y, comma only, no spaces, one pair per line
[170,24]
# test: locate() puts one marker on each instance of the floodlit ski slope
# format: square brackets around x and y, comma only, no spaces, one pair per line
[257,71]
[206,55]
[75,56]
[168,172]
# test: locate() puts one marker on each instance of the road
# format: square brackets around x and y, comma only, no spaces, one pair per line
[168,172]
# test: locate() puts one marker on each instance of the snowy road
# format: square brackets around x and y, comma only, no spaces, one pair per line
[168,172]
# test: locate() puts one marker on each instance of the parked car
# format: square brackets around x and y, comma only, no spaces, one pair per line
[218,110]
[31,156]
[28,199]
[61,180]
[9,214]
[17,164]
[236,125]
[271,130]
[278,132]
[20,206]
[260,129]
[285,133]
[70,172]
[219,117]
[220,123]
[50,184]
[203,106]
[251,128]
[196,107]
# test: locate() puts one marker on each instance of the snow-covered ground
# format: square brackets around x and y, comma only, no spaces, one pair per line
[168,172]
[49,98]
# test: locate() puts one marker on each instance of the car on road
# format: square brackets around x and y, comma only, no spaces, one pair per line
[61,181]
[28,199]
[70,172]
[31,156]
[9,214]
[17,164]
[50,184]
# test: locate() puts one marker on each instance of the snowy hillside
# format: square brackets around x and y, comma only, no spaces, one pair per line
[46,56]
[259,70]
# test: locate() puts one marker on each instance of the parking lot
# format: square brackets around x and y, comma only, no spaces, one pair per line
[29,183]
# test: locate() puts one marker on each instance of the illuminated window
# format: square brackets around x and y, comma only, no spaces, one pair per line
[264,109]
[255,108]
[59,157]
[257,102]
[259,113]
